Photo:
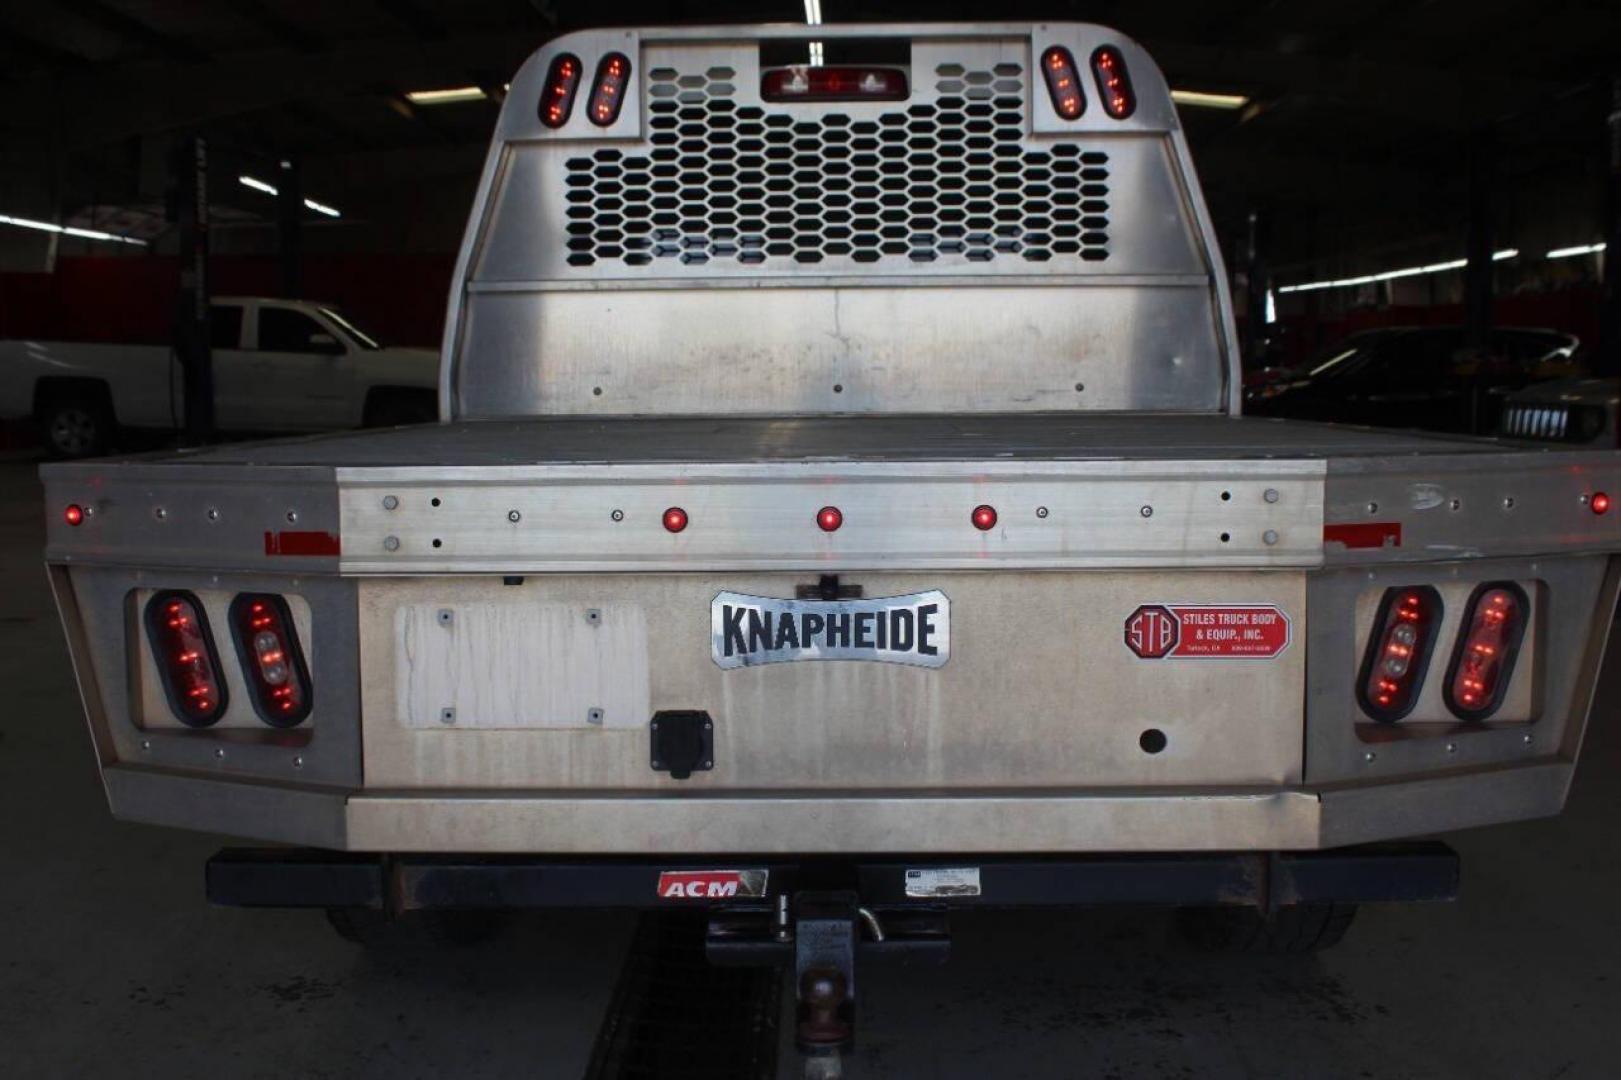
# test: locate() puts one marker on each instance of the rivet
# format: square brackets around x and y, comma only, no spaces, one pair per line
[1041,511]
[618,515]
[298,763]
[514,517]
[1080,388]
[593,616]
[1452,748]
[1270,536]
[1373,508]
[1270,495]
[146,744]
[446,616]
[213,513]
[1508,502]
[709,764]
[391,543]
[1526,739]
[159,512]
[838,388]
[1369,756]
[219,753]
[391,502]
[1147,511]
[593,716]
[1455,505]
[292,516]
[596,391]
[447,716]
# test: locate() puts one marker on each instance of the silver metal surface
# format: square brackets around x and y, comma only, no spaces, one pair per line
[283,813]
[713,251]
[1040,691]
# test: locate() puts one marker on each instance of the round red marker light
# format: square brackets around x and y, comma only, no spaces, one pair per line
[984,518]
[1599,503]
[74,514]
[675,519]
[829,518]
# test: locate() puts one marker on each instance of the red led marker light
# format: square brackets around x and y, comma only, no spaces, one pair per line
[1483,663]
[74,514]
[557,97]
[1399,652]
[1063,82]
[675,519]
[183,648]
[829,518]
[1109,68]
[984,518]
[1599,504]
[608,90]
[800,83]
[267,645]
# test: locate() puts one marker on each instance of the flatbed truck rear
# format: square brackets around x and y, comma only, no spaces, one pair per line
[840,516]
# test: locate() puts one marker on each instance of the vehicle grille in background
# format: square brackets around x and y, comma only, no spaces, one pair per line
[1553,423]
[947,180]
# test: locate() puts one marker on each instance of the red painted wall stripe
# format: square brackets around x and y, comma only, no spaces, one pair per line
[1373,534]
[302,542]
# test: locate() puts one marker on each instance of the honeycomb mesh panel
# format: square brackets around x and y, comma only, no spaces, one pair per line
[951,180]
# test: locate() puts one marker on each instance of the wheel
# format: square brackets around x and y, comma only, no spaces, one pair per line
[372,928]
[1300,928]
[76,427]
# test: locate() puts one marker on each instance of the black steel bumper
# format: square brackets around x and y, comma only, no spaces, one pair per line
[280,877]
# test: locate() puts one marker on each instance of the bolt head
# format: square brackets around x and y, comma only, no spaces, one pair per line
[1270,536]
[1270,495]
[514,517]
[390,502]
[1147,511]
[391,543]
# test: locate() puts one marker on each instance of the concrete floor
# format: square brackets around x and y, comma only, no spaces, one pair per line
[112,965]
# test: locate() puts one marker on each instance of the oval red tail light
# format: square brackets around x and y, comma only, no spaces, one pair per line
[557,96]
[1399,651]
[1114,84]
[1483,662]
[1063,82]
[267,643]
[183,646]
[608,89]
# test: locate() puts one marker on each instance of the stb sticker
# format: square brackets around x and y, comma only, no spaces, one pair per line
[1207,631]
[711,884]
[749,630]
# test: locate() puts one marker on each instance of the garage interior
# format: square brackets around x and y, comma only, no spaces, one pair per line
[1439,164]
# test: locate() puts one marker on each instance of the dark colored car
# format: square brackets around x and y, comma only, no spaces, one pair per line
[1416,377]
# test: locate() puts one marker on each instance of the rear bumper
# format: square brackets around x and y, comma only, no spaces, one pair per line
[840,824]
[241,877]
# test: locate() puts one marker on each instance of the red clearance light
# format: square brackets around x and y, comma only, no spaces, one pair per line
[801,83]
[829,518]
[267,644]
[1109,68]
[188,667]
[984,518]
[675,519]
[557,97]
[1063,82]
[74,514]
[1399,651]
[608,91]
[1483,662]
[1599,504]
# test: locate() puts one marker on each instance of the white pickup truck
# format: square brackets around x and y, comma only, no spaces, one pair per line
[279,366]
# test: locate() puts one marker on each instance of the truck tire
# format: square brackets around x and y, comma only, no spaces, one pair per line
[374,929]
[76,426]
[1293,930]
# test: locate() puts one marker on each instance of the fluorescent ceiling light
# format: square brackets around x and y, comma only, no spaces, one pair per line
[1391,275]
[1581,249]
[449,96]
[259,185]
[68,230]
[813,12]
[1209,101]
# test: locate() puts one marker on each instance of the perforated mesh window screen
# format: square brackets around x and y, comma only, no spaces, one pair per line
[954,179]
